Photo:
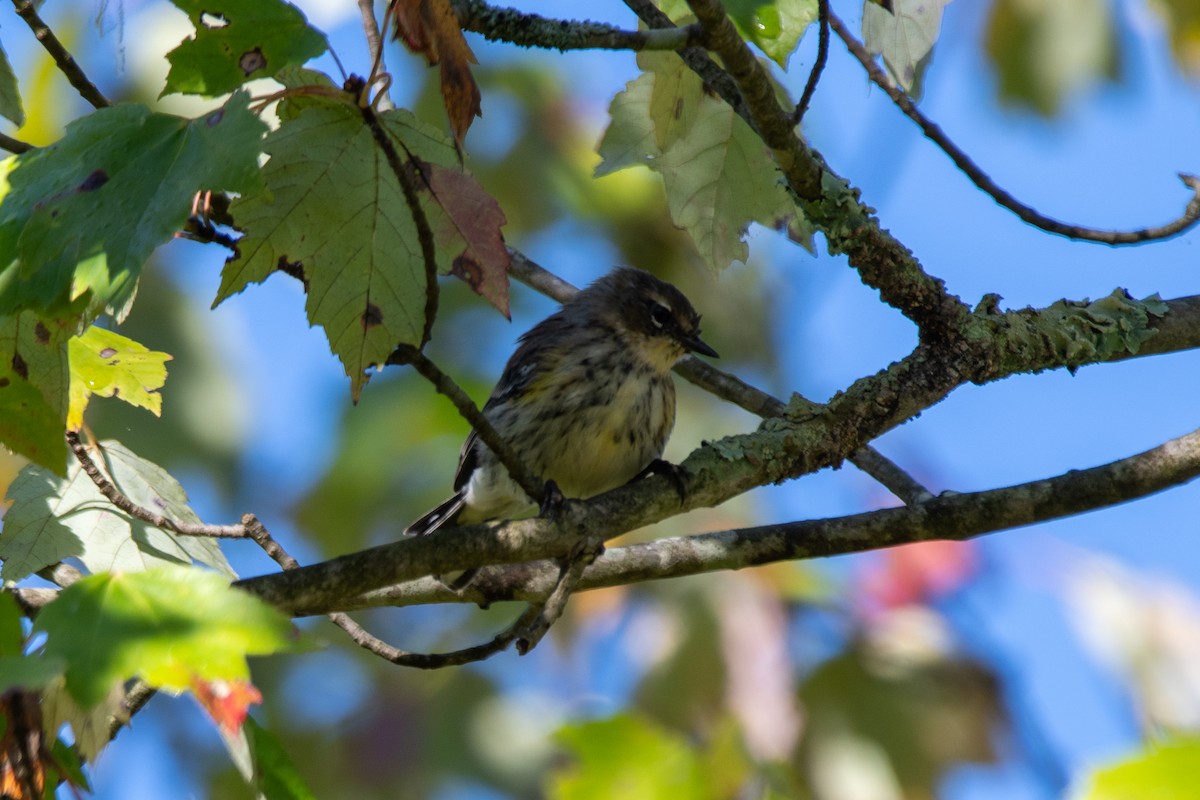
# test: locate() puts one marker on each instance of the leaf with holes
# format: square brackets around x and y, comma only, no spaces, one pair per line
[52,518]
[79,218]
[170,626]
[108,364]
[238,41]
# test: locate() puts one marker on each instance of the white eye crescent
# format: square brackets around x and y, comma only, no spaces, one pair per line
[660,316]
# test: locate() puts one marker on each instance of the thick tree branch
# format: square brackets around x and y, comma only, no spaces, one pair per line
[826,199]
[782,448]
[981,179]
[731,388]
[950,516]
[531,30]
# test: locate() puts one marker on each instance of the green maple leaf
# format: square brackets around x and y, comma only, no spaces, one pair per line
[334,211]
[79,218]
[171,626]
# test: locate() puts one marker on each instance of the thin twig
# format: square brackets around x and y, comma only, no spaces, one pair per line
[822,55]
[444,384]
[984,182]
[531,30]
[375,46]
[373,644]
[731,388]
[62,57]
[118,499]
[571,569]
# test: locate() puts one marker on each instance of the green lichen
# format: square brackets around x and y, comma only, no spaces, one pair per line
[1072,333]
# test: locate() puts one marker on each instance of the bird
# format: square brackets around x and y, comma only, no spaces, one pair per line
[586,401]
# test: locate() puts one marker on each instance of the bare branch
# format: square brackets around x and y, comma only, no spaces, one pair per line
[935,134]
[62,57]
[14,145]
[118,499]
[822,54]
[532,30]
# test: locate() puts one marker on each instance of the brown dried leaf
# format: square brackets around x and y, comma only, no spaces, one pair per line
[431,28]
[470,229]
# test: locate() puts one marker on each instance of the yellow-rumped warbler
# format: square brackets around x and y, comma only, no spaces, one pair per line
[586,400]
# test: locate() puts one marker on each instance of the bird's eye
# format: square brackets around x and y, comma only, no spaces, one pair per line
[660,315]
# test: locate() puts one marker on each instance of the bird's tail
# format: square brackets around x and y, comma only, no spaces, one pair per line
[443,514]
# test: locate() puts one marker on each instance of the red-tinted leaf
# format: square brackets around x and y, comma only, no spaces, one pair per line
[227,702]
[470,228]
[430,27]
[917,573]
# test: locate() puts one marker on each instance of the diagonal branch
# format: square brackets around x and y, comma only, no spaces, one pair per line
[810,87]
[121,501]
[62,57]
[444,384]
[781,449]
[826,199]
[988,186]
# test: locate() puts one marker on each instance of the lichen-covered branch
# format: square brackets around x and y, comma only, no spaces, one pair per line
[782,448]
[531,30]
[827,200]
[951,516]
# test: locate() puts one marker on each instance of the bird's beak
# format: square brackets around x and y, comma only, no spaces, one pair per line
[696,345]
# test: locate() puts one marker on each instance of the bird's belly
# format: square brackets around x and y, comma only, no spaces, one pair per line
[606,444]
